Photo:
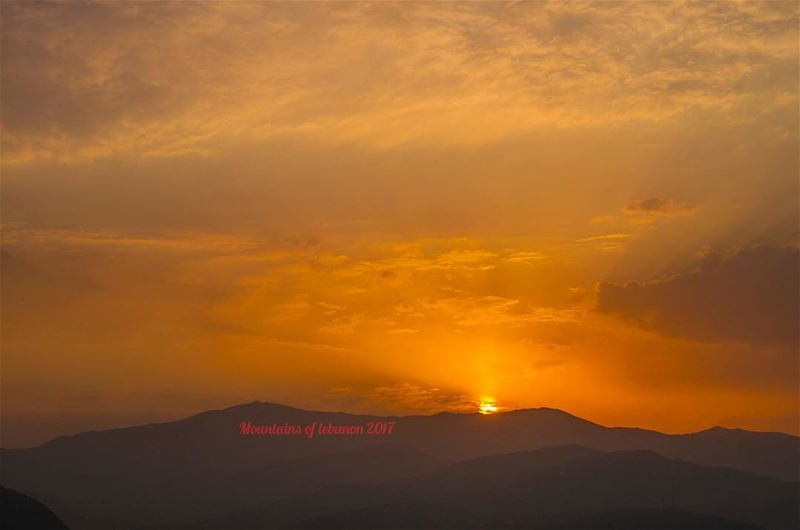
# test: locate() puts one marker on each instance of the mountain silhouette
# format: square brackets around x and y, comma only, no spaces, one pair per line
[654,520]
[21,512]
[432,517]
[201,467]
[548,488]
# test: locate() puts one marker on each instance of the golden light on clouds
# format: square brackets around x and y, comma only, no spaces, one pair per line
[397,207]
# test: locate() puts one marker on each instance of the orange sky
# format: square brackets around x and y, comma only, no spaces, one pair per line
[399,208]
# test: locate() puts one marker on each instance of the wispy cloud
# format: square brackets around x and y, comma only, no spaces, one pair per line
[104,78]
[404,398]
[658,206]
[603,237]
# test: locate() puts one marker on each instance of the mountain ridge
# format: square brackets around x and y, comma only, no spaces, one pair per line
[534,489]
[280,406]
[181,469]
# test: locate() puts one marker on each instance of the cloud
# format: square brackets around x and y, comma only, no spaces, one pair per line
[465,260]
[345,324]
[657,206]
[495,311]
[96,78]
[751,296]
[603,237]
[525,257]
[405,397]
[401,331]
[605,242]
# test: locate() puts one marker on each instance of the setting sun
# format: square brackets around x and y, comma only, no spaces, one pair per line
[487,407]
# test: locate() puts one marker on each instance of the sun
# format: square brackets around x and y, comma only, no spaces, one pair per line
[487,406]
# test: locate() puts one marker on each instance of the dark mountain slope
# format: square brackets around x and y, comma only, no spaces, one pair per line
[539,489]
[21,512]
[431,517]
[201,466]
[653,520]
[192,495]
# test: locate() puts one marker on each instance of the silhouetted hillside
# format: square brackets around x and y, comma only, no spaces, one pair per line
[432,517]
[548,488]
[201,467]
[654,520]
[20,512]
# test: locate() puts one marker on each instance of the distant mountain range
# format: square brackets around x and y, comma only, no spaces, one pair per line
[534,468]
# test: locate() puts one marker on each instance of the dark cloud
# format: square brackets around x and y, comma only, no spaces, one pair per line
[751,296]
[657,205]
[403,398]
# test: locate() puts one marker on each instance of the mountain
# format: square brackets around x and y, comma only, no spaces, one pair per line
[21,512]
[431,517]
[654,520]
[117,499]
[559,487]
[201,467]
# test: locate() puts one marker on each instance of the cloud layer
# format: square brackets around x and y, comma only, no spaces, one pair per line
[657,206]
[207,203]
[753,295]
[159,79]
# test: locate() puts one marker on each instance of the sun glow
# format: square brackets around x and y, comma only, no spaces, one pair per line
[487,406]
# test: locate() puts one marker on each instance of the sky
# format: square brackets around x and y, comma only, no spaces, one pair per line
[399,208]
